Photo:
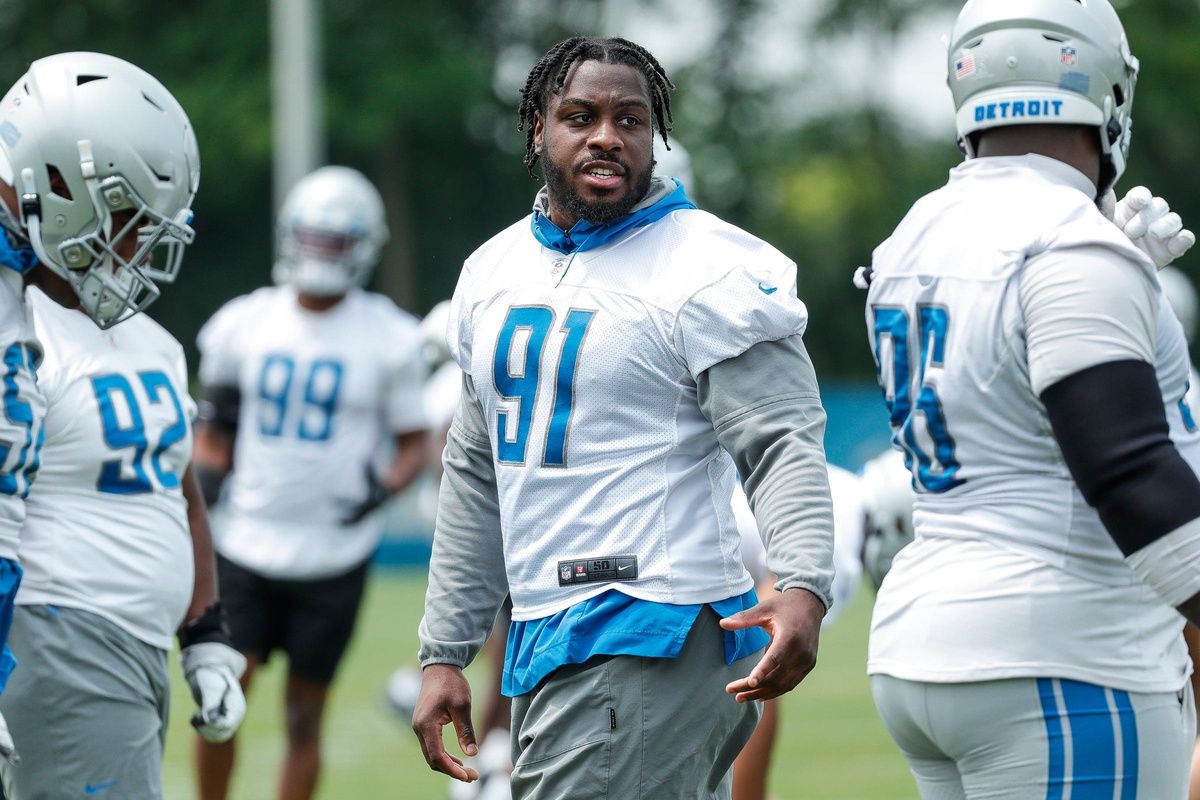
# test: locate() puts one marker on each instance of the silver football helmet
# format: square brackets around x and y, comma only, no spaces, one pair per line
[433,327]
[331,229]
[1024,62]
[887,498]
[105,166]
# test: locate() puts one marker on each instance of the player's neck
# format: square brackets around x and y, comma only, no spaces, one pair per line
[54,287]
[312,302]
[1075,146]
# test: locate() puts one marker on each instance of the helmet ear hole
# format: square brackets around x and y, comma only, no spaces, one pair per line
[58,184]
[1113,129]
[1118,95]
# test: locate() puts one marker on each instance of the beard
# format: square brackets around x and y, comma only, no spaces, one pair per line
[561,187]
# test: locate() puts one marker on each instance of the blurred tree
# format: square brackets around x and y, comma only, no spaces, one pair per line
[421,96]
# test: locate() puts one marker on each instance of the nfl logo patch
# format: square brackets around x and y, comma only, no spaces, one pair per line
[964,67]
[565,573]
[1068,56]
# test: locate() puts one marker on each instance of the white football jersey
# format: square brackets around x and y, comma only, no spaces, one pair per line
[585,367]
[1012,574]
[847,539]
[106,528]
[322,393]
[21,429]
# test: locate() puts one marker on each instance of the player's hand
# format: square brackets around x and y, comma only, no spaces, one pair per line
[793,618]
[445,699]
[377,495]
[1150,224]
[212,671]
[8,750]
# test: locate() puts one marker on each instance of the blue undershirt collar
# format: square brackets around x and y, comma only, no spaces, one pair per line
[665,196]
[18,259]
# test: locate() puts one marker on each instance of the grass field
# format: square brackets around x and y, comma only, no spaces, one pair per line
[831,745]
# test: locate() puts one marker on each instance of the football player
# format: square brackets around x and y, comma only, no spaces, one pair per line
[625,356]
[1027,643]
[115,543]
[752,768]
[302,383]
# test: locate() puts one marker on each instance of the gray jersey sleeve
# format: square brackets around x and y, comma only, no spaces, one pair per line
[766,409]
[466,573]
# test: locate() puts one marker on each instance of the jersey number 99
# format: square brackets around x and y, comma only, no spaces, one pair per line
[322,388]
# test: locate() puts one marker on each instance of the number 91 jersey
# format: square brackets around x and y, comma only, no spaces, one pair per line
[608,474]
[106,523]
[320,394]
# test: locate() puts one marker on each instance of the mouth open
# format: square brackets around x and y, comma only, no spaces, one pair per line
[602,174]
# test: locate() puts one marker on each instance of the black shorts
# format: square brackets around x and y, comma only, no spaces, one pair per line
[310,620]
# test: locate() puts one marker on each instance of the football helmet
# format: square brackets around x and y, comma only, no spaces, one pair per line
[1024,62]
[433,335]
[887,498]
[105,166]
[331,229]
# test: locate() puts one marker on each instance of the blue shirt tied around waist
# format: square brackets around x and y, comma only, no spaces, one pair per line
[613,623]
[10,581]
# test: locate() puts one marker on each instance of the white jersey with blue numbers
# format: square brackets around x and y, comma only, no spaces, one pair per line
[322,393]
[609,476]
[24,409]
[1012,574]
[106,528]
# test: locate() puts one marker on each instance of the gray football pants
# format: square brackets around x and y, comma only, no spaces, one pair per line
[87,708]
[630,728]
[1039,738]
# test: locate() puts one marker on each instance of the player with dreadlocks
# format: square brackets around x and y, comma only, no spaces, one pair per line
[625,357]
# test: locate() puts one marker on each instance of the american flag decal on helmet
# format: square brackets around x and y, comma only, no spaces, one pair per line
[964,67]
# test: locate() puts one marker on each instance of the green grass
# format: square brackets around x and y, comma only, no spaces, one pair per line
[831,744]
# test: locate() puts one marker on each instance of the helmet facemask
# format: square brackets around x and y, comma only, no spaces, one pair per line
[110,287]
[322,263]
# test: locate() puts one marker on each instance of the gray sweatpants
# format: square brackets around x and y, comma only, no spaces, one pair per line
[1039,738]
[630,728]
[87,708]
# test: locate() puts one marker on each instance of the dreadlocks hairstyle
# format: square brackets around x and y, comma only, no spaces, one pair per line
[550,73]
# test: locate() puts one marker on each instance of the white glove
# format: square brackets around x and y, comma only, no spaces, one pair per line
[1150,224]
[212,671]
[8,751]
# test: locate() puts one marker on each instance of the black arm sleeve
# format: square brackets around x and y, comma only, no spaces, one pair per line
[219,407]
[1111,427]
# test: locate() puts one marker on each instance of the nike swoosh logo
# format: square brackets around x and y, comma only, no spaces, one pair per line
[627,566]
[92,791]
[767,289]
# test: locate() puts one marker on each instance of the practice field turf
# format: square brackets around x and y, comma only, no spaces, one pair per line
[831,744]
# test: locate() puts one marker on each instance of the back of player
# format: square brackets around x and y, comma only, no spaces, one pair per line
[1025,644]
[995,494]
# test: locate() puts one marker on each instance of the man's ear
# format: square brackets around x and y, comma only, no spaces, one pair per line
[539,130]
